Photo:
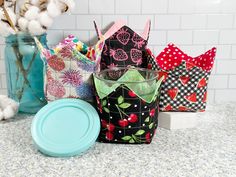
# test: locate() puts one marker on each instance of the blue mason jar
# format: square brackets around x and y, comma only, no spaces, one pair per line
[24,71]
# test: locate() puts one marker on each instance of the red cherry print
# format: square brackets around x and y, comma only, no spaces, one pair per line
[110,127]
[131,93]
[109,136]
[148,137]
[123,122]
[100,109]
[133,118]
[104,123]
[99,104]
[152,112]
[98,101]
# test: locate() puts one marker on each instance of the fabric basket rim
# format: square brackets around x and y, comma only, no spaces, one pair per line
[97,73]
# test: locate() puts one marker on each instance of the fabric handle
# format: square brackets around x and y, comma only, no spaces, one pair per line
[98,31]
[146,31]
[115,27]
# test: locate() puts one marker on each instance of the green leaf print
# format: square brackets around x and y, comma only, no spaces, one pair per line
[104,102]
[147,119]
[120,99]
[131,141]
[106,110]
[126,138]
[124,105]
[151,125]
[140,132]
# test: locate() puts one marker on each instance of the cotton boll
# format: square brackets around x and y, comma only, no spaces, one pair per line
[8,112]
[3,97]
[19,3]
[34,2]
[5,29]
[23,23]
[12,16]
[15,106]
[69,3]
[45,19]
[53,10]
[1,115]
[32,13]
[8,107]
[35,28]
[4,101]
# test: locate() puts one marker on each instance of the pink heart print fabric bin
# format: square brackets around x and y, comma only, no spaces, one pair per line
[69,68]
[184,87]
[123,47]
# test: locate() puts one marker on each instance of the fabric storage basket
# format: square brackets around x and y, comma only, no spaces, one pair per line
[185,81]
[127,101]
[123,46]
[69,68]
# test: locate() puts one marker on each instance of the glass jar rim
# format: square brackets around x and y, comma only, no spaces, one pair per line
[97,75]
[13,37]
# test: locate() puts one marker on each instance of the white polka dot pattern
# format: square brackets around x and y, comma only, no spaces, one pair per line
[172,56]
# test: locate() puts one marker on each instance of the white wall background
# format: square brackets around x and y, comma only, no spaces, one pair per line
[194,25]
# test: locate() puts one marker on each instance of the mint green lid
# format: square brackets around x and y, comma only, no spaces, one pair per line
[65,127]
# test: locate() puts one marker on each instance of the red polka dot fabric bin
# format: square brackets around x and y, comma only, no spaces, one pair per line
[185,81]
[128,104]
[69,68]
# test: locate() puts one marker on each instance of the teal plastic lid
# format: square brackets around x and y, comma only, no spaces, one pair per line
[65,127]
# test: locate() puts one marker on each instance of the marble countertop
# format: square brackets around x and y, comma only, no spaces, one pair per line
[209,150]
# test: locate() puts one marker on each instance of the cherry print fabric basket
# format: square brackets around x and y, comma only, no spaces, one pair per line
[128,110]
[69,68]
[185,81]
[123,47]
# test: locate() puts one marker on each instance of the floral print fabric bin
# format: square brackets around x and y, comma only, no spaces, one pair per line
[69,68]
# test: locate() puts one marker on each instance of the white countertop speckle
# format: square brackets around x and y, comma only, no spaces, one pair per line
[209,150]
